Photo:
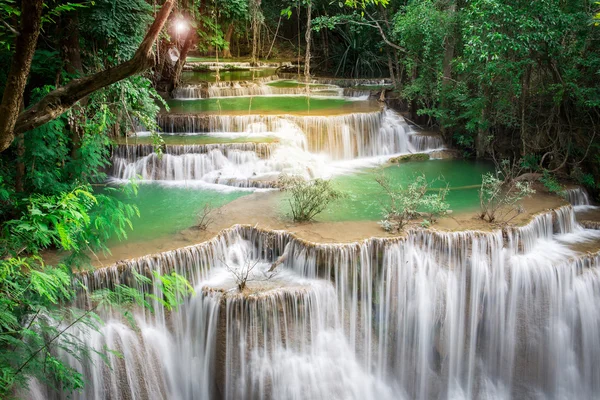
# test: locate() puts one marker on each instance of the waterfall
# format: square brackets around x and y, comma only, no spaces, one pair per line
[340,136]
[307,146]
[233,164]
[341,82]
[425,142]
[504,314]
[253,88]
[578,197]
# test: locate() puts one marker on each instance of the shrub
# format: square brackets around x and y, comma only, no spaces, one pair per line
[499,199]
[552,184]
[205,217]
[308,198]
[405,204]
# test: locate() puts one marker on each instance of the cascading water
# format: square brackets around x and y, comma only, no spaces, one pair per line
[476,315]
[342,137]
[234,164]
[578,197]
[251,88]
[341,82]
[308,146]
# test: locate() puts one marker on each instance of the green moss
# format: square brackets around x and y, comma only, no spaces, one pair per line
[410,157]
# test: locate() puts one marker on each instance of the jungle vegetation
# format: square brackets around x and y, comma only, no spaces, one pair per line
[501,79]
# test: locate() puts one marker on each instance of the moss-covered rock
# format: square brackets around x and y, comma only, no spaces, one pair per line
[410,157]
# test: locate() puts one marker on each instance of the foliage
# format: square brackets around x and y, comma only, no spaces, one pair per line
[500,199]
[35,326]
[30,294]
[404,203]
[118,25]
[420,27]
[551,183]
[308,198]
[75,221]
[355,53]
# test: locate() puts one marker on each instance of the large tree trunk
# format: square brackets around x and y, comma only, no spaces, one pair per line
[187,45]
[228,36]
[307,36]
[31,22]
[60,100]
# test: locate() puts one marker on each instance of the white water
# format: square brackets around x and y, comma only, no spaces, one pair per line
[466,315]
[252,88]
[579,198]
[312,147]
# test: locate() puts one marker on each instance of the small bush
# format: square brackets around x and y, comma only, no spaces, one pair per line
[552,184]
[205,217]
[499,199]
[308,198]
[411,202]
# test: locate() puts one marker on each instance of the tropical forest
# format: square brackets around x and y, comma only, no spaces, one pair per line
[300,199]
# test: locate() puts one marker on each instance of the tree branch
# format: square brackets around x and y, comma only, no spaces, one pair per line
[26,41]
[60,100]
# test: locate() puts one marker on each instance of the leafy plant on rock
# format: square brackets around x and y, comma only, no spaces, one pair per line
[405,203]
[500,199]
[308,197]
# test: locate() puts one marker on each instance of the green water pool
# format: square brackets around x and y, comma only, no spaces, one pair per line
[196,139]
[166,210]
[271,105]
[365,196]
[294,84]
[238,75]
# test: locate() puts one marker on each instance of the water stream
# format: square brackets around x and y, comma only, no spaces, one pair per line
[501,315]
[506,314]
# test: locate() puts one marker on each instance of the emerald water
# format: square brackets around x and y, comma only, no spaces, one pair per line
[166,210]
[197,139]
[293,84]
[271,105]
[236,75]
[365,196]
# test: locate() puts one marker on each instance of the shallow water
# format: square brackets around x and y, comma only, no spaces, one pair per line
[365,196]
[271,105]
[199,139]
[165,210]
[241,75]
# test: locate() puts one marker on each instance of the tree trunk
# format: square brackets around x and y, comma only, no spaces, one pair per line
[26,41]
[187,45]
[72,59]
[307,36]
[524,97]
[481,141]
[61,99]
[391,68]
[228,36]
[449,45]
[254,9]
